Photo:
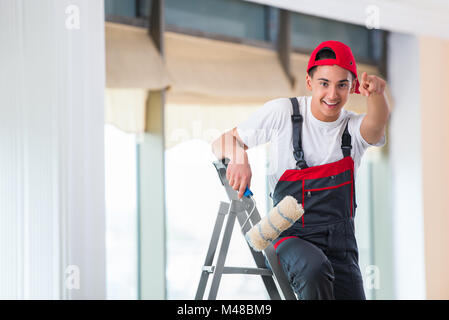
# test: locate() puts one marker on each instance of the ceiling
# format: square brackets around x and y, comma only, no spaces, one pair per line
[426,18]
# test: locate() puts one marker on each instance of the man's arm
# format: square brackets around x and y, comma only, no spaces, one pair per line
[230,145]
[378,111]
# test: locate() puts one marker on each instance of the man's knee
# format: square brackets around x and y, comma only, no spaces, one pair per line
[315,282]
[315,271]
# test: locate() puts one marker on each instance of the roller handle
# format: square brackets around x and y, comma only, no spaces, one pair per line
[248,192]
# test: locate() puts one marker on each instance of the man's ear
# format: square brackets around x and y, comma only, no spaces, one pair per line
[308,82]
[354,82]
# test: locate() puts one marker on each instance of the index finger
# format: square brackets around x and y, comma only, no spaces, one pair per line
[242,188]
[364,76]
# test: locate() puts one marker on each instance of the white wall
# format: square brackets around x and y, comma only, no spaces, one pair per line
[405,160]
[52,150]
[403,16]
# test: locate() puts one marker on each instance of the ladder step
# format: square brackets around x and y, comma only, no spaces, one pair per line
[240,270]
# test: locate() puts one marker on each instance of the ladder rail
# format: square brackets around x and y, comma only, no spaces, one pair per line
[222,255]
[222,212]
[274,278]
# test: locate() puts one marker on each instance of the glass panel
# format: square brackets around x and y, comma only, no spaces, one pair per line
[377,44]
[121,214]
[247,20]
[227,17]
[193,195]
[144,7]
[310,31]
[371,226]
[120,8]
[362,221]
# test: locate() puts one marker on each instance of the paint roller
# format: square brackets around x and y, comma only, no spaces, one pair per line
[279,219]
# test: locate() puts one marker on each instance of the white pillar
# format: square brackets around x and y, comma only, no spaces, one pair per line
[52,151]
[152,238]
[405,159]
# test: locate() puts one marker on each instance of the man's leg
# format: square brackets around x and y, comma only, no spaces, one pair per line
[309,271]
[348,284]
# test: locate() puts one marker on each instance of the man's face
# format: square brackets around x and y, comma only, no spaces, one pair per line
[330,86]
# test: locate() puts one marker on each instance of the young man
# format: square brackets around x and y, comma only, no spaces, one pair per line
[316,148]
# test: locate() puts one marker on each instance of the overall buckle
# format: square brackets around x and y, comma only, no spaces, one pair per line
[296,117]
[299,154]
[301,164]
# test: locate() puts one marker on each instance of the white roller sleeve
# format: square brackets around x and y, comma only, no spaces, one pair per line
[279,219]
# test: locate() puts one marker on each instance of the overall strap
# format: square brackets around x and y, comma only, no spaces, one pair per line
[346,142]
[297,132]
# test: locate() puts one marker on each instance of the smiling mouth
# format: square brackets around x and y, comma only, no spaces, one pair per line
[331,105]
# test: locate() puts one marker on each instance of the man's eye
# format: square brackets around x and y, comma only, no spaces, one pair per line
[324,84]
[343,85]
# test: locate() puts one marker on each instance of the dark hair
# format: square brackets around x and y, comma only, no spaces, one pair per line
[325,53]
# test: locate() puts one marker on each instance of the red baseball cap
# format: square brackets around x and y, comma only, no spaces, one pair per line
[344,58]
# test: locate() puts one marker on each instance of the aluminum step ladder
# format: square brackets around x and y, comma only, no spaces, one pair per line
[275,280]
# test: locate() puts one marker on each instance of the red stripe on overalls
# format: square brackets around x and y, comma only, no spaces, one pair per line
[327,188]
[282,240]
[321,171]
[352,189]
[303,181]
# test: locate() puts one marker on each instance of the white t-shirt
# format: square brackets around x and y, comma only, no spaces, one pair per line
[321,141]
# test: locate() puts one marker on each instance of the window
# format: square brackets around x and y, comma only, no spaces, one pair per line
[309,31]
[239,19]
[120,8]
[193,195]
[121,214]
[227,17]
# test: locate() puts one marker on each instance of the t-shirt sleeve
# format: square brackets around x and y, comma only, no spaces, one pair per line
[355,123]
[263,124]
